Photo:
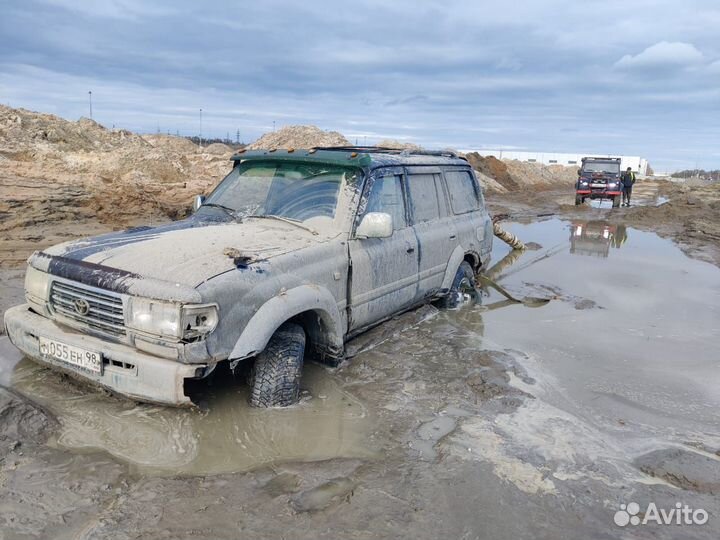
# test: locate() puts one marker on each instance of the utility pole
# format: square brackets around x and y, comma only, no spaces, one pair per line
[237,137]
[200,128]
[90,100]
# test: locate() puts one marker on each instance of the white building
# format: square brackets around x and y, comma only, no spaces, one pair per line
[636,163]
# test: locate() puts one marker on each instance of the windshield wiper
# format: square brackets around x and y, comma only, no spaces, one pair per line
[229,211]
[295,222]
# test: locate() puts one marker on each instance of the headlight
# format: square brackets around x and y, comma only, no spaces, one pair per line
[612,184]
[37,284]
[584,183]
[198,320]
[171,320]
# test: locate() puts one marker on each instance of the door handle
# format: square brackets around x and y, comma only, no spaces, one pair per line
[453,237]
[410,250]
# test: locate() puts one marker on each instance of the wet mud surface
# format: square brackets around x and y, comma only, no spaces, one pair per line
[496,420]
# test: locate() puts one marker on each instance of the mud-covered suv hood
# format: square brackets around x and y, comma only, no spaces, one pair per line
[186,252]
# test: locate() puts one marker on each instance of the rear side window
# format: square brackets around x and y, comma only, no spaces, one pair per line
[423,197]
[463,193]
[386,196]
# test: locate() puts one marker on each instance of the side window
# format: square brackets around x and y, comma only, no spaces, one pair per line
[423,197]
[386,196]
[464,196]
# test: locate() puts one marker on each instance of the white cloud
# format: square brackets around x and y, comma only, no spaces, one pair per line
[113,9]
[663,54]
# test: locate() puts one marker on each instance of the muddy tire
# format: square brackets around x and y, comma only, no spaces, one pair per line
[579,199]
[616,201]
[275,376]
[464,281]
[464,278]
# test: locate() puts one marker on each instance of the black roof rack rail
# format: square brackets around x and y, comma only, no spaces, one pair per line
[385,150]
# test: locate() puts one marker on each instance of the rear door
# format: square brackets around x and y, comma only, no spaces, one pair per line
[383,277]
[469,215]
[433,227]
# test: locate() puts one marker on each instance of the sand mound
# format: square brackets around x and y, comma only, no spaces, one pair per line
[56,171]
[173,144]
[514,175]
[218,149]
[395,144]
[298,137]
[536,173]
[24,132]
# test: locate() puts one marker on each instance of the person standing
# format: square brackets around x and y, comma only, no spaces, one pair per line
[627,179]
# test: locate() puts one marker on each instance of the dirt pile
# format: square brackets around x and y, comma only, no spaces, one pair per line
[398,145]
[492,168]
[26,134]
[490,184]
[59,177]
[298,137]
[538,174]
[514,175]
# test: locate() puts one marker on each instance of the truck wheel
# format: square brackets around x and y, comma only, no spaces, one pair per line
[464,282]
[579,199]
[616,201]
[275,376]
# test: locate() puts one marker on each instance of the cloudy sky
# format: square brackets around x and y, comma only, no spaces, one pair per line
[639,77]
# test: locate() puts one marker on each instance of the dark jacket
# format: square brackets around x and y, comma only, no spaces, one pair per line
[628,179]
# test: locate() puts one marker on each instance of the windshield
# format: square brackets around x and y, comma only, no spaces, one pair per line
[601,166]
[292,190]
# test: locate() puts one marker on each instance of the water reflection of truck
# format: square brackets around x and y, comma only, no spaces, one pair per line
[595,238]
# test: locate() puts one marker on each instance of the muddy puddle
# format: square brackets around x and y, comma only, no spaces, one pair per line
[645,193]
[229,436]
[622,362]
[634,329]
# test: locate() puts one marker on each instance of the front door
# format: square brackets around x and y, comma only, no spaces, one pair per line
[384,271]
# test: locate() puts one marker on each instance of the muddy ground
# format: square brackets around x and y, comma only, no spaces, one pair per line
[495,420]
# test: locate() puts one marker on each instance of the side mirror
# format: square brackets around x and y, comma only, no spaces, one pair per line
[375,225]
[579,172]
[198,202]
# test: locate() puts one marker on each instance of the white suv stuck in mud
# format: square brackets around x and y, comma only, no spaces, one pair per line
[291,255]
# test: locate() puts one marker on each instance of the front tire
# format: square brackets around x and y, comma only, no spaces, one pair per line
[275,376]
[579,199]
[616,201]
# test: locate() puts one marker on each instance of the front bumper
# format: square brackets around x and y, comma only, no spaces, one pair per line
[598,194]
[126,370]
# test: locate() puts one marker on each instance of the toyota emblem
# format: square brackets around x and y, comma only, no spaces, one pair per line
[81,306]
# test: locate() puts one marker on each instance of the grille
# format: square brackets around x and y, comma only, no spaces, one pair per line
[104,310]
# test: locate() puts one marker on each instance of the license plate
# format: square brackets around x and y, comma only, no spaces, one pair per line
[598,185]
[70,354]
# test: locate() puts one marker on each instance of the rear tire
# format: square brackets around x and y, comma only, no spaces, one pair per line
[275,376]
[616,201]
[463,282]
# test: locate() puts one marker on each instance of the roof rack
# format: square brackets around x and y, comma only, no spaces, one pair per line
[385,150]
